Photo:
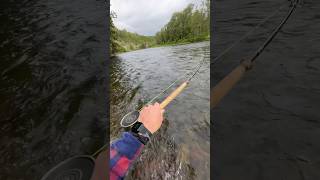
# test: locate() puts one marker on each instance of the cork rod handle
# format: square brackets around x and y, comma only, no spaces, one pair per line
[227,83]
[173,95]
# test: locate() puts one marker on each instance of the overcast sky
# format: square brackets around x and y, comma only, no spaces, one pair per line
[146,17]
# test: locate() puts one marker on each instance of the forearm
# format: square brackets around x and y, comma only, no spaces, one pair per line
[123,152]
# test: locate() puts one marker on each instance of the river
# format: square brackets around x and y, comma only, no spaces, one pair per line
[181,148]
[53,83]
[268,127]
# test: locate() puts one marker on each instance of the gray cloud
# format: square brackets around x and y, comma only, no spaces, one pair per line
[146,17]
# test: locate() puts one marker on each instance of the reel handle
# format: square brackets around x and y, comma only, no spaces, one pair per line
[173,95]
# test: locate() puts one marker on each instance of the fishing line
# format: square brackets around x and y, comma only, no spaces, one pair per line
[173,83]
[126,121]
[218,58]
[165,90]
[197,70]
[274,33]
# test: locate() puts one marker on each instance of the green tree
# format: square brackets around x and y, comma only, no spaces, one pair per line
[189,25]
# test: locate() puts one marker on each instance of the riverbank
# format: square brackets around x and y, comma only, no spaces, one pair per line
[166,45]
[184,41]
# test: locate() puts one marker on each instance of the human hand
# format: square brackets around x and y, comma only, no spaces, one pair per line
[151,117]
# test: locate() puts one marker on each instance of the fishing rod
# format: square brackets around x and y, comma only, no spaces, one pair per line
[89,166]
[229,81]
[219,57]
[132,117]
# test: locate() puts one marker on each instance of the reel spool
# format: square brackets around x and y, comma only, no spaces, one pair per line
[129,119]
[75,168]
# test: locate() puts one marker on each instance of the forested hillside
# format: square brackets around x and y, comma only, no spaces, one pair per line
[132,41]
[123,41]
[190,25]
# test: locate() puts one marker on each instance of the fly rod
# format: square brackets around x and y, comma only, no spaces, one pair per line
[229,81]
[87,166]
[132,117]
[219,57]
[178,90]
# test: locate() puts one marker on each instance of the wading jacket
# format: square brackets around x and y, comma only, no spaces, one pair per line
[123,152]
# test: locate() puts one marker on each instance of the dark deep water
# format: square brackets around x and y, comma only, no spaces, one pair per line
[268,127]
[181,148]
[52,83]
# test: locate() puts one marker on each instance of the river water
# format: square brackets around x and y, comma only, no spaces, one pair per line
[53,83]
[268,127]
[180,150]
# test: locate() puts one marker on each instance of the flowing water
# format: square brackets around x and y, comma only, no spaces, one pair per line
[268,127]
[180,150]
[53,83]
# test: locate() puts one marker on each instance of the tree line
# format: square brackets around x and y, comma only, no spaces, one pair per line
[114,46]
[132,41]
[190,25]
[123,41]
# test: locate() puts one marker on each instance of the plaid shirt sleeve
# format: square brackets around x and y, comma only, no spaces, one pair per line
[122,153]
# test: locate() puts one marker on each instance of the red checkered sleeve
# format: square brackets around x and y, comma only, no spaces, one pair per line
[122,153]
